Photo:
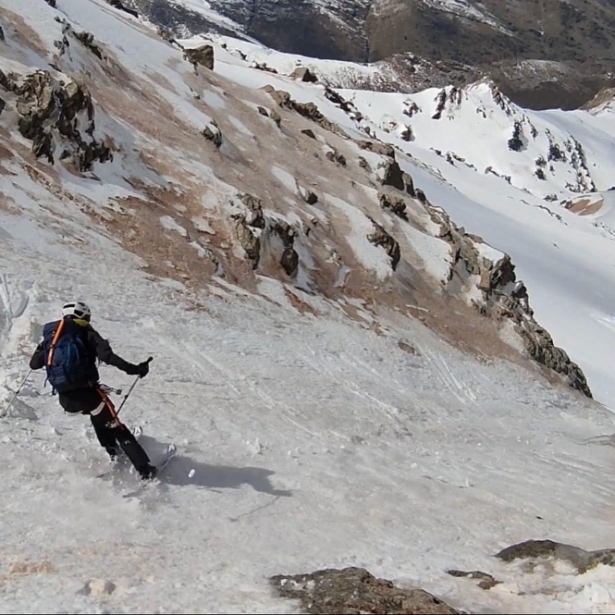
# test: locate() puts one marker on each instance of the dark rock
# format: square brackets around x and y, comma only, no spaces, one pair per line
[395,177]
[51,3]
[289,259]
[248,240]
[378,148]
[309,133]
[382,239]
[265,68]
[503,297]
[302,73]
[46,107]
[255,217]
[355,590]
[212,133]
[1,34]
[203,55]
[263,111]
[276,117]
[310,197]
[335,156]
[87,40]
[394,204]
[118,5]
[2,105]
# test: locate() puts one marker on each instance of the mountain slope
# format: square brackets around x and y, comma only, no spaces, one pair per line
[325,366]
[542,53]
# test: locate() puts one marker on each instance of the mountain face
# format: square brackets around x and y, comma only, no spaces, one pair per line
[490,38]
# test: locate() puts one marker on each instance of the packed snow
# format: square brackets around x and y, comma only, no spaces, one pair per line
[305,440]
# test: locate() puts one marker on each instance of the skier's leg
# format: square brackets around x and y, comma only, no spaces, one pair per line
[105,435]
[124,437]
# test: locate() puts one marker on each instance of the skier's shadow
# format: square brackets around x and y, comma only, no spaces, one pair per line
[214,477]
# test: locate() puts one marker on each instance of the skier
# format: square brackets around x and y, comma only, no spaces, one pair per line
[69,351]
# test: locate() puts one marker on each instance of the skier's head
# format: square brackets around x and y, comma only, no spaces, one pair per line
[77,309]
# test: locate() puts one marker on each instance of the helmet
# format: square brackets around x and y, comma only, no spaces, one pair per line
[77,309]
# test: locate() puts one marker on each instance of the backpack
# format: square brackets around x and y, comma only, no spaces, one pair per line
[67,361]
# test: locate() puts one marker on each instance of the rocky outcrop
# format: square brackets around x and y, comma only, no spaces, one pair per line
[302,73]
[119,5]
[289,259]
[393,204]
[355,590]
[87,40]
[213,133]
[57,117]
[308,110]
[200,56]
[392,175]
[377,147]
[485,580]
[382,239]
[581,559]
[504,297]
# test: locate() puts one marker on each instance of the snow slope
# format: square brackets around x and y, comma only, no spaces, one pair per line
[316,440]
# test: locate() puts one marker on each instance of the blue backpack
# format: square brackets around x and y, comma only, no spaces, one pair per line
[67,361]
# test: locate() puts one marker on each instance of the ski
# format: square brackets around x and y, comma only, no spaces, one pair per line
[170,453]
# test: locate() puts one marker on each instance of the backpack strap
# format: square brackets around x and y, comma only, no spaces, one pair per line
[54,342]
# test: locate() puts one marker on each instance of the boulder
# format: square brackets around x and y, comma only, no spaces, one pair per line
[392,175]
[382,239]
[393,204]
[355,590]
[203,56]
[378,148]
[57,115]
[212,133]
[302,73]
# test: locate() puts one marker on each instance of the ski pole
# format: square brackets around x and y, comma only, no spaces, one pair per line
[8,406]
[132,386]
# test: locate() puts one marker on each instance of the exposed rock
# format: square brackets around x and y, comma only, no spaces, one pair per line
[581,559]
[308,196]
[302,73]
[248,240]
[395,177]
[355,590]
[308,110]
[335,156]
[254,217]
[2,105]
[263,111]
[309,133]
[51,115]
[289,259]
[382,239]
[378,148]
[409,348]
[265,68]
[51,3]
[118,5]
[87,40]
[486,581]
[276,117]
[1,34]
[364,164]
[504,297]
[203,55]
[393,204]
[212,133]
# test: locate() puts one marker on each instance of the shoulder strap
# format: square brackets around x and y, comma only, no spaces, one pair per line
[54,342]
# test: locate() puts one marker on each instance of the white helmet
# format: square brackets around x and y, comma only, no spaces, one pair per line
[78,309]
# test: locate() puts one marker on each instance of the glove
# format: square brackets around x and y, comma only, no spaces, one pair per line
[142,369]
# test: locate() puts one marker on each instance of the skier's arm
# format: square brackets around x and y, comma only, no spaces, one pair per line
[104,353]
[37,361]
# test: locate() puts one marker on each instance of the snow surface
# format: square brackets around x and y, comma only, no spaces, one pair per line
[304,442]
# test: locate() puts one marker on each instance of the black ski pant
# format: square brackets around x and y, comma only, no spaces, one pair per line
[110,431]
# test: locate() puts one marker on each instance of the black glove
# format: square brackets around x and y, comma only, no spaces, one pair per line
[142,369]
